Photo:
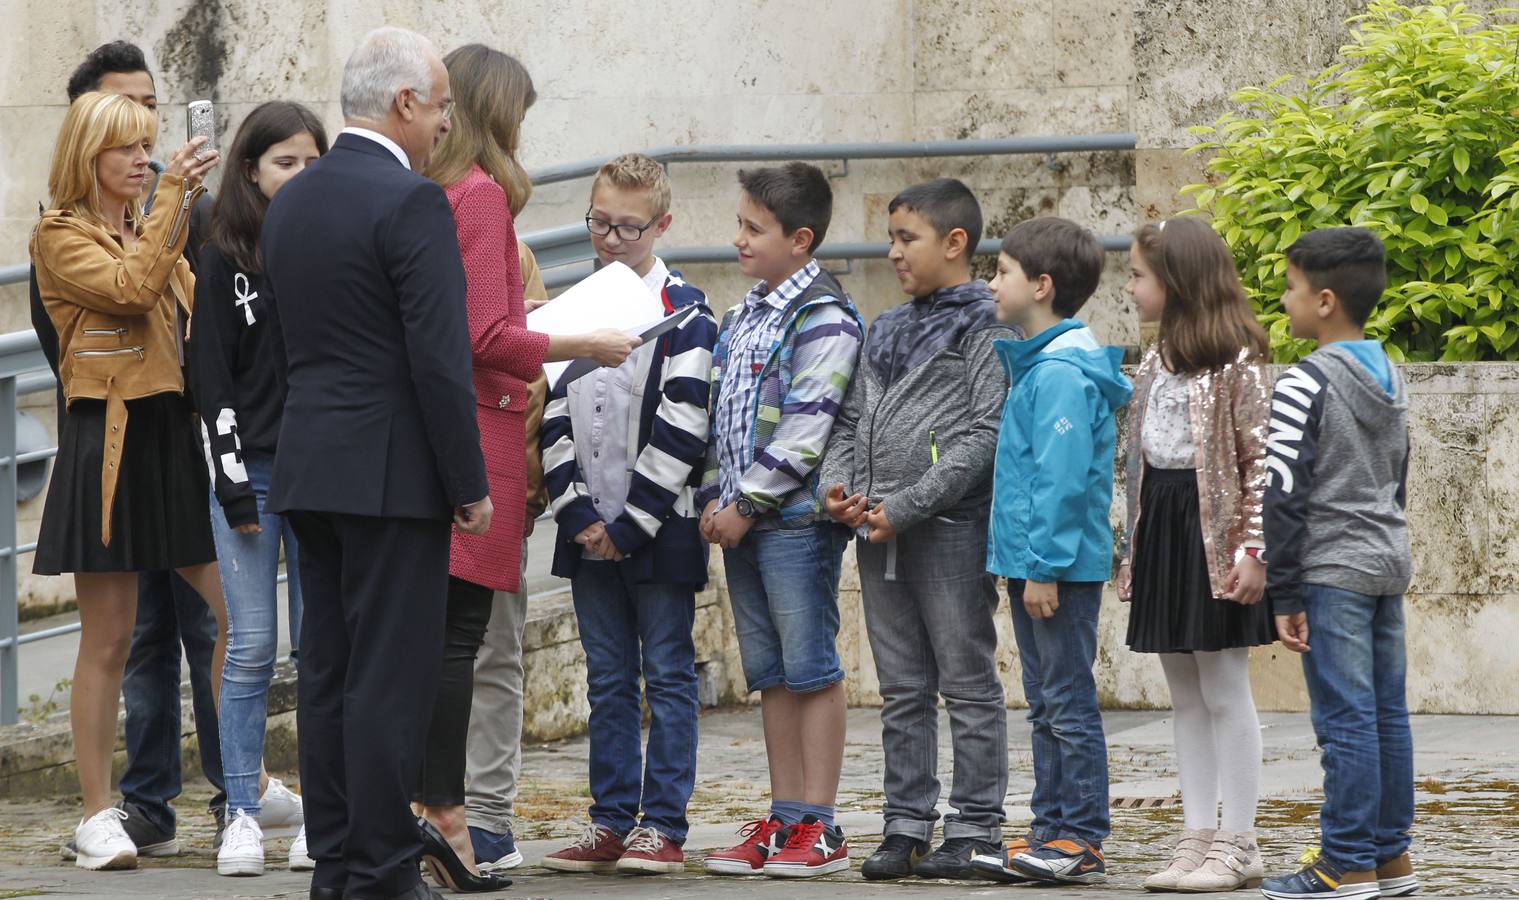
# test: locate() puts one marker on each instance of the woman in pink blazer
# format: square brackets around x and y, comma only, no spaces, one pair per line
[477,166]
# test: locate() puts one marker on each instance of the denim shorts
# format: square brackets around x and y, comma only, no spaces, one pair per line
[783,585]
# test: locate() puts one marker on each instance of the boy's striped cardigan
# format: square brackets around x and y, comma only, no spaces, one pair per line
[658,531]
[802,388]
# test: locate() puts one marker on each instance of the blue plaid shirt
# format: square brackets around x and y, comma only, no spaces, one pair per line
[761,324]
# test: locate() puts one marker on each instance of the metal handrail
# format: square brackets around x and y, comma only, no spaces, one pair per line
[710,153]
[569,244]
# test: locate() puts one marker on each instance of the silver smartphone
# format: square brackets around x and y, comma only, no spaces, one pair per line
[200,121]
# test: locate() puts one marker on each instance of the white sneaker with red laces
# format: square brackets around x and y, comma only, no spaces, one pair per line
[812,849]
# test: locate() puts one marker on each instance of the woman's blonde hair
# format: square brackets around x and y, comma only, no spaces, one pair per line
[492,92]
[94,123]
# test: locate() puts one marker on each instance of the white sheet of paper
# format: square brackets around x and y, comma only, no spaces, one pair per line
[611,297]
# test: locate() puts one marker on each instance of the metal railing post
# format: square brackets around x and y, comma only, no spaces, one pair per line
[10,708]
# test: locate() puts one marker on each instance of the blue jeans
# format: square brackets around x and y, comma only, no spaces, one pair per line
[169,612]
[783,585]
[1355,674]
[1070,751]
[249,566]
[628,629]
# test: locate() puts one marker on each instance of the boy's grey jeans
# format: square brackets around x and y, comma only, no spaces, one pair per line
[929,611]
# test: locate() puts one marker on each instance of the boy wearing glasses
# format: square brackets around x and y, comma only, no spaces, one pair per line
[622,455]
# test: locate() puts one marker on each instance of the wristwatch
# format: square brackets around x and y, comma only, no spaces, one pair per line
[1255,552]
[745,507]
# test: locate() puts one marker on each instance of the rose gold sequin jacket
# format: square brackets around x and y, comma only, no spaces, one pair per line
[1229,411]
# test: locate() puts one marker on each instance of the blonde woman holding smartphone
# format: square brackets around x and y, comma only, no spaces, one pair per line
[129,488]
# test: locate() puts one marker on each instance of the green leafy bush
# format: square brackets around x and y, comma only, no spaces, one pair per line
[1415,135]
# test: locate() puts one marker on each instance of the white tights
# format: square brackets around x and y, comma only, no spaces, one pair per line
[1218,737]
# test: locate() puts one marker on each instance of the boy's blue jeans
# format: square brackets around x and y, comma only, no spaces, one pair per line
[1070,798]
[169,614]
[1355,673]
[628,629]
[249,565]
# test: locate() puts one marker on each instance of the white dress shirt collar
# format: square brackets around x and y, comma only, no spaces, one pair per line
[382,140]
[655,280]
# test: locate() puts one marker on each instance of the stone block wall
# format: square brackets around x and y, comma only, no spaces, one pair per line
[763,71]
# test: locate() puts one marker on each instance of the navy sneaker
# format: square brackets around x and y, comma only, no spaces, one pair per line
[1320,879]
[494,852]
[1064,861]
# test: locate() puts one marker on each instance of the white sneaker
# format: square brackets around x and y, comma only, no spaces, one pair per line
[242,851]
[280,810]
[101,843]
[300,860]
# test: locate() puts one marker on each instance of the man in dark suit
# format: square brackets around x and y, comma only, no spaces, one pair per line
[379,450]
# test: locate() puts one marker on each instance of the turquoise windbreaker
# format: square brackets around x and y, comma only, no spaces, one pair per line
[1053,484]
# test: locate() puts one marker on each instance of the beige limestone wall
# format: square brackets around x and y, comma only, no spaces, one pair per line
[612,78]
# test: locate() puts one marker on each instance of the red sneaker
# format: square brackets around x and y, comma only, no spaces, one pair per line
[597,849]
[762,839]
[651,853]
[812,849]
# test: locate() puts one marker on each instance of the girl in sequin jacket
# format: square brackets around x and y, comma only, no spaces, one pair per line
[1191,562]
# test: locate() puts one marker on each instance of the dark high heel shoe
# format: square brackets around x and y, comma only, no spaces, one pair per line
[448,869]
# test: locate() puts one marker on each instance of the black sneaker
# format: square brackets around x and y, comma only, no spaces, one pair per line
[895,857]
[149,838]
[952,859]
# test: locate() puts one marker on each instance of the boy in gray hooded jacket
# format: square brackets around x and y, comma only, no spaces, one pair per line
[909,467]
[1338,561]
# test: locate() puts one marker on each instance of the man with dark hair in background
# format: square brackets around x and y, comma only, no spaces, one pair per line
[169,612]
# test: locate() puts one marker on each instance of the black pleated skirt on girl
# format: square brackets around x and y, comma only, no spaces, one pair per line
[1173,609]
[162,515]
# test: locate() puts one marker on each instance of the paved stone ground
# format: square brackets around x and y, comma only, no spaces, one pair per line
[1467,832]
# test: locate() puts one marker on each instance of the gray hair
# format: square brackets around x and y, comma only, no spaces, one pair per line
[387,60]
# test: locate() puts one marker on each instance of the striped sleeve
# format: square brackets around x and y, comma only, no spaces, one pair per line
[569,497]
[823,358]
[711,476]
[677,441]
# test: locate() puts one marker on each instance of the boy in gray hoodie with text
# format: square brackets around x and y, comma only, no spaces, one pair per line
[1338,562]
[909,466]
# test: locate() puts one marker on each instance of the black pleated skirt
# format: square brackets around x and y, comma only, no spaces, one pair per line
[162,515]
[1173,609]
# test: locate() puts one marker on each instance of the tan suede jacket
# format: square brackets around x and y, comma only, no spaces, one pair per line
[116,311]
[1229,411]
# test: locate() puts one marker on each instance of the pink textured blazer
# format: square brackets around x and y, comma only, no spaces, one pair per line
[506,357]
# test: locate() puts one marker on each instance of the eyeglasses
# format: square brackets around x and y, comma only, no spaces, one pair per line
[626,232]
[446,107]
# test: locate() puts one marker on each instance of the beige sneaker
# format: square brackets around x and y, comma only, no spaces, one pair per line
[1233,862]
[1190,852]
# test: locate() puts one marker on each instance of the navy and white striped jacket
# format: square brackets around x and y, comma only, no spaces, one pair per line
[658,531]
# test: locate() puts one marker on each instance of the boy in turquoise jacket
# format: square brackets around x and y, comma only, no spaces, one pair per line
[1051,537]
